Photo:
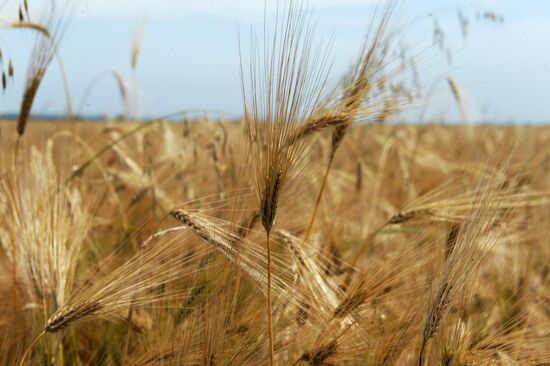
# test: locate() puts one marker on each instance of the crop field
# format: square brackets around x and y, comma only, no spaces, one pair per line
[315,230]
[425,236]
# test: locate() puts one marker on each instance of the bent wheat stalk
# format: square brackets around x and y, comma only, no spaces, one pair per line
[364,77]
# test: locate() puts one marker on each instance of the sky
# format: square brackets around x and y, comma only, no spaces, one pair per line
[189,58]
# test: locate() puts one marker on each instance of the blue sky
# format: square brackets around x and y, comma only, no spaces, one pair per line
[189,56]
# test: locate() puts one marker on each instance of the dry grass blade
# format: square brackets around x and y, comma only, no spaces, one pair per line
[136,45]
[457,95]
[34,26]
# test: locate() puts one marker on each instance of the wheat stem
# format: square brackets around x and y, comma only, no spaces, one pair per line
[14,246]
[421,354]
[14,275]
[269,307]
[317,202]
[128,333]
[28,350]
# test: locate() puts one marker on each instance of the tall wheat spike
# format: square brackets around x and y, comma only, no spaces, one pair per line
[478,233]
[50,34]
[367,72]
[287,80]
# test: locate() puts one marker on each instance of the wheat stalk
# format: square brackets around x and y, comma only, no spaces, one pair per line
[286,85]
[364,77]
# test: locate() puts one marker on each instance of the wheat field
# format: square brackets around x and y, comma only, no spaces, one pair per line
[311,231]
[426,236]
